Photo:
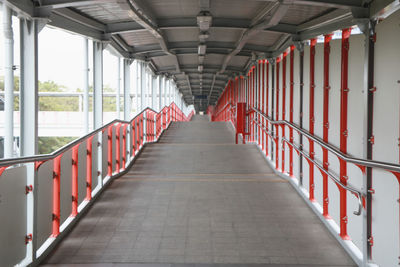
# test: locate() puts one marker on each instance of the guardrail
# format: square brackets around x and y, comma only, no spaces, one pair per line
[55,189]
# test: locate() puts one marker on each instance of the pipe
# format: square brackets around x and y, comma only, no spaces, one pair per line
[8,82]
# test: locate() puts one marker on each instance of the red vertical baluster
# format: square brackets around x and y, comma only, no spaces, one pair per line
[118,148]
[263,103]
[109,160]
[325,161]
[89,164]
[312,117]
[124,147]
[344,91]
[56,196]
[291,110]
[278,59]
[74,182]
[283,106]
[259,99]
[267,110]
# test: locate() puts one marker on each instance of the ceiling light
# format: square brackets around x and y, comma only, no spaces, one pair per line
[200,68]
[204,22]
[202,49]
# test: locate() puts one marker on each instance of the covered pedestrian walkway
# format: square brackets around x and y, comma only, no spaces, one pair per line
[196,197]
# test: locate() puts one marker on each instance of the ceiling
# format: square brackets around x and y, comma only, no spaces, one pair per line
[201,44]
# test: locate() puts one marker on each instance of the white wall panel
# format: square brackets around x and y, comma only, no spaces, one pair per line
[44,202]
[385,207]
[13,219]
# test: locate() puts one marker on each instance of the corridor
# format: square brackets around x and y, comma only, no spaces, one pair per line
[195,198]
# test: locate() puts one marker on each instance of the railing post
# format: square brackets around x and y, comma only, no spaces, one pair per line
[155,127]
[344,91]
[56,196]
[118,147]
[291,109]
[125,146]
[283,106]
[133,138]
[325,126]
[311,117]
[74,181]
[89,168]
[369,89]
[144,127]
[109,150]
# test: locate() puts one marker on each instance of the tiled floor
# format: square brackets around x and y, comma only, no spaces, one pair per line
[196,199]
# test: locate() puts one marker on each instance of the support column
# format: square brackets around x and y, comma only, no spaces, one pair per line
[117,102]
[142,86]
[153,92]
[291,110]
[127,89]
[272,62]
[138,85]
[8,82]
[29,99]
[344,92]
[369,89]
[97,84]
[313,42]
[86,85]
[300,47]
[165,91]
[327,40]
[159,93]
[98,104]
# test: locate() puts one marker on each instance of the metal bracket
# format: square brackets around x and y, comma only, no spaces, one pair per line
[28,188]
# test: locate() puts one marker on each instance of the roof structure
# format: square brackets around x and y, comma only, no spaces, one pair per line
[201,44]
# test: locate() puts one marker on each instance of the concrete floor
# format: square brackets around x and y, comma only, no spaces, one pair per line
[197,199]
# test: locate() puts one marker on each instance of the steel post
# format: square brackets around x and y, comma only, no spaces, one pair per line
[344,92]
[86,85]
[8,82]
[118,96]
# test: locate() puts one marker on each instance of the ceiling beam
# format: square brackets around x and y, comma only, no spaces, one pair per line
[325,3]
[71,3]
[191,23]
[146,18]
[278,11]
[77,17]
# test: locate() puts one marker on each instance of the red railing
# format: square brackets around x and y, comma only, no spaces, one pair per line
[108,152]
[265,120]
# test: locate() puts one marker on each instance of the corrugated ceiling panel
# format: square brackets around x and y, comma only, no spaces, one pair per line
[238,61]
[174,8]
[224,35]
[264,38]
[164,61]
[139,38]
[182,35]
[188,59]
[106,12]
[298,14]
[236,8]
[214,59]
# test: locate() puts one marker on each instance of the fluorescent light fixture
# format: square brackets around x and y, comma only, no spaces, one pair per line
[202,49]
[204,22]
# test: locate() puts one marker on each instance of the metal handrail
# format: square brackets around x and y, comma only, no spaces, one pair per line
[45,157]
[223,108]
[265,129]
[333,177]
[358,161]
